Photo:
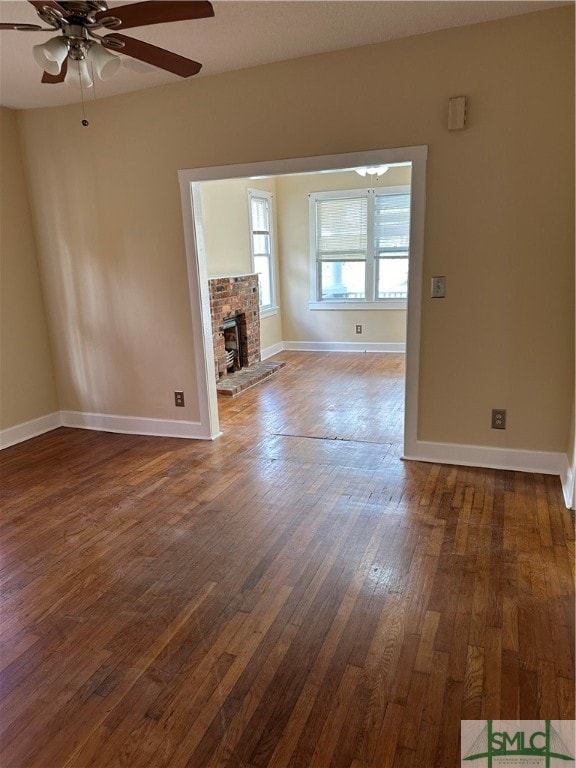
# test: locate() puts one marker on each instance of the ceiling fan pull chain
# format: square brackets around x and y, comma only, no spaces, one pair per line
[85,122]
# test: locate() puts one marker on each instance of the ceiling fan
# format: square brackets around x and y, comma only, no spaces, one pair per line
[66,57]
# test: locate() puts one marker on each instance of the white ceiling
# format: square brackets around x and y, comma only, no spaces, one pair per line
[242,34]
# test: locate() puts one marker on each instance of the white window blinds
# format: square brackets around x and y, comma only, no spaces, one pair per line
[341,229]
[392,225]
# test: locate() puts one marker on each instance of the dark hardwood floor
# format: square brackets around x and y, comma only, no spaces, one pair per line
[291,594]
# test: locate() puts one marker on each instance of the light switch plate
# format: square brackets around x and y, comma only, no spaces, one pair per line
[438,289]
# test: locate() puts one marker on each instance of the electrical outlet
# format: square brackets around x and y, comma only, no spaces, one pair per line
[358,329]
[499,418]
[179,399]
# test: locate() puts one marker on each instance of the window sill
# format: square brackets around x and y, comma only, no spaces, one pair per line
[359,305]
[269,312]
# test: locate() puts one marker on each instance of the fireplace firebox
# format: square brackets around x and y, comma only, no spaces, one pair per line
[235,351]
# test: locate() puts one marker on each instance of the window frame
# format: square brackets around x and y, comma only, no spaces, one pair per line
[262,194]
[372,261]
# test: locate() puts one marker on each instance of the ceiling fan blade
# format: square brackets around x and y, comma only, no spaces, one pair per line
[59,78]
[151,54]
[142,14]
[22,27]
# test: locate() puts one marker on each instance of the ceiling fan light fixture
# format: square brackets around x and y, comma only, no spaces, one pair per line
[78,73]
[377,170]
[104,62]
[80,54]
[51,55]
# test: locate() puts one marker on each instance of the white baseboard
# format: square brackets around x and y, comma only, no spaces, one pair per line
[272,350]
[344,346]
[568,478]
[133,425]
[29,429]
[544,462]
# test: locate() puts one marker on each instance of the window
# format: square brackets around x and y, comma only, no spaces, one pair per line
[262,247]
[359,242]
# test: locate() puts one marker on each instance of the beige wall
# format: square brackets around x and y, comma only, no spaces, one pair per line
[499,217]
[298,321]
[226,229]
[271,333]
[27,388]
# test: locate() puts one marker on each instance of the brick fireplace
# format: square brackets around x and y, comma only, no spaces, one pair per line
[235,298]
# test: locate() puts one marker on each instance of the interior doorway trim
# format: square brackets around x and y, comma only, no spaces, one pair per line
[190,179]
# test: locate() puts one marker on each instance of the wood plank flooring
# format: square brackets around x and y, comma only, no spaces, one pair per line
[291,595]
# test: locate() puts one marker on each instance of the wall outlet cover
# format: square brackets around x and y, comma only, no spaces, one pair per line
[499,418]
